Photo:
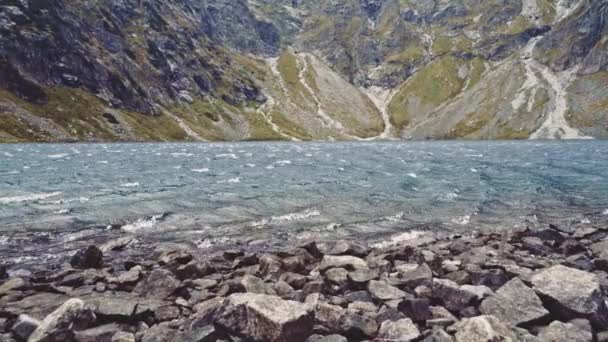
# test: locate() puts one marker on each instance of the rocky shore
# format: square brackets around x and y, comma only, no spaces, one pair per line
[546,284]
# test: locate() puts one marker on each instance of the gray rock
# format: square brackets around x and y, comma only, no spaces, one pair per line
[254,284]
[158,333]
[129,277]
[265,318]
[401,330]
[358,326]
[103,333]
[337,276]
[122,336]
[297,281]
[12,284]
[343,261]
[25,326]
[479,292]
[413,275]
[564,332]
[58,325]
[514,303]
[114,306]
[90,257]
[418,309]
[328,338]
[159,284]
[453,298]
[438,335]
[483,329]
[349,248]
[383,291]
[329,316]
[362,275]
[571,292]
[363,307]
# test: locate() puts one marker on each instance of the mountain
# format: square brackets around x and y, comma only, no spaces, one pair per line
[108,70]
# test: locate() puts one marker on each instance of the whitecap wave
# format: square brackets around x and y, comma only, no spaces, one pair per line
[57,156]
[8,154]
[29,197]
[605,212]
[231,180]
[130,185]
[203,170]
[462,220]
[298,216]
[227,155]
[400,239]
[413,175]
[145,223]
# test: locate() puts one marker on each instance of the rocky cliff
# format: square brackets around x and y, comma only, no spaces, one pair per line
[83,70]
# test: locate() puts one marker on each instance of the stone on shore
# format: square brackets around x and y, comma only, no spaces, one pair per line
[403,330]
[514,303]
[565,332]
[452,296]
[25,326]
[58,325]
[265,318]
[383,291]
[483,329]
[90,257]
[342,261]
[572,293]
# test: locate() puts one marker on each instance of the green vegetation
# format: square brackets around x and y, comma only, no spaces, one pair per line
[427,89]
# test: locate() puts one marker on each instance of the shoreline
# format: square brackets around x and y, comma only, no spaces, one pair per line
[541,284]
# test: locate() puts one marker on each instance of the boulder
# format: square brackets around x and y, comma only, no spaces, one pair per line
[122,336]
[381,290]
[329,316]
[453,298]
[565,332]
[265,318]
[402,330]
[358,326]
[343,261]
[254,284]
[479,292]
[337,276]
[114,307]
[194,269]
[13,284]
[418,309]
[25,326]
[361,276]
[349,248]
[90,257]
[159,284]
[514,303]
[413,275]
[328,338]
[438,335]
[570,293]
[103,333]
[483,329]
[58,325]
[158,333]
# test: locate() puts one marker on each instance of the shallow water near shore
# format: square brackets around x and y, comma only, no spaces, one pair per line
[55,198]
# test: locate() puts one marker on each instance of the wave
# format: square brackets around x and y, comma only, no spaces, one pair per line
[29,197]
[298,216]
[399,239]
[200,170]
[605,212]
[144,223]
[57,156]
[130,185]
[231,180]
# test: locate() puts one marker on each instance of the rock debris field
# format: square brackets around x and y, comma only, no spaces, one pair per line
[541,284]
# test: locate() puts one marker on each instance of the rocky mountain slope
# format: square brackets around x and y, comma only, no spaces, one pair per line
[83,70]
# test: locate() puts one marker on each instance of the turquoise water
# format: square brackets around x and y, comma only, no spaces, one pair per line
[54,198]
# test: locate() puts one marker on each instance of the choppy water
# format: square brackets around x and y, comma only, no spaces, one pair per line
[54,198]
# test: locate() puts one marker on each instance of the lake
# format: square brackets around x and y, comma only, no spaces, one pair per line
[55,198]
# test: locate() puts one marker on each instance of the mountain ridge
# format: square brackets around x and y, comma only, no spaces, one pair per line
[302,70]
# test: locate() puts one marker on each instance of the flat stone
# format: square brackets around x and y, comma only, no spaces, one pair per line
[453,298]
[25,326]
[113,306]
[343,247]
[254,284]
[264,317]
[59,323]
[565,332]
[479,292]
[342,261]
[363,307]
[159,284]
[337,276]
[98,334]
[358,326]
[328,316]
[413,275]
[483,329]
[572,292]
[158,333]
[122,336]
[362,275]
[383,291]
[12,284]
[514,303]
[402,330]
[328,338]
[418,309]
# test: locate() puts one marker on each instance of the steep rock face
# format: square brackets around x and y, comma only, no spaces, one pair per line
[302,69]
